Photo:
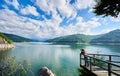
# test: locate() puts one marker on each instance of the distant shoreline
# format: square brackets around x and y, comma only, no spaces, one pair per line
[86,43]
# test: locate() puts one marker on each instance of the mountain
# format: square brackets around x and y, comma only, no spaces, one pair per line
[94,36]
[70,39]
[16,38]
[111,37]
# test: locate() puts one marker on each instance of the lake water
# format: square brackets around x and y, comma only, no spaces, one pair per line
[63,60]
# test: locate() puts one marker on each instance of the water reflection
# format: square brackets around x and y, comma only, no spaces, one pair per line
[78,46]
[4,53]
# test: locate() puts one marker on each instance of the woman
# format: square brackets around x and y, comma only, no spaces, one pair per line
[83,52]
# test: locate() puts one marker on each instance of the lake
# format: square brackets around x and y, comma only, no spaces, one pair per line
[63,60]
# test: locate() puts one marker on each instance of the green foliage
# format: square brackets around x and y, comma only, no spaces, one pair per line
[9,67]
[99,62]
[16,38]
[83,72]
[107,7]
[8,40]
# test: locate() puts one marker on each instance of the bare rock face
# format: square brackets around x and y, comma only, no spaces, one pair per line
[44,71]
[5,45]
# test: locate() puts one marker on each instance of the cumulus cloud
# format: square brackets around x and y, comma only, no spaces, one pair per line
[41,29]
[17,25]
[29,10]
[82,4]
[61,6]
[105,31]
[47,28]
[27,27]
[43,4]
[82,26]
[116,19]
[14,3]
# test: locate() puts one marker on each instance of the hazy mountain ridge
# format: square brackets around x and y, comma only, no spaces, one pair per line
[77,38]
[111,37]
[16,38]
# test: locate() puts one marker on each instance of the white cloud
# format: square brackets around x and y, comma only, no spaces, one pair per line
[65,9]
[14,3]
[42,29]
[29,10]
[104,31]
[44,5]
[83,4]
[116,19]
[28,27]
[63,6]
[48,28]
[17,25]
[82,26]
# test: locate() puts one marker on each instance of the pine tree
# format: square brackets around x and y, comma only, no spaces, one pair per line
[107,8]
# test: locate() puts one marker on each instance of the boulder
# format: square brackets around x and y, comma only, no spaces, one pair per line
[44,71]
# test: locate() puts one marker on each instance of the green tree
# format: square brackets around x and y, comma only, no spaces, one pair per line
[107,7]
[9,67]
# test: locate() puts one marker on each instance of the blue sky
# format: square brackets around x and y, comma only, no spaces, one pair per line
[53,18]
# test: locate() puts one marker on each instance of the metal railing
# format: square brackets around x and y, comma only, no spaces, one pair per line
[108,64]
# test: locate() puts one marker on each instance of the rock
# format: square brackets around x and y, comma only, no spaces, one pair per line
[6,46]
[44,71]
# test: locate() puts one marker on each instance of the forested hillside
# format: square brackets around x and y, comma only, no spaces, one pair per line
[16,38]
[111,37]
[70,39]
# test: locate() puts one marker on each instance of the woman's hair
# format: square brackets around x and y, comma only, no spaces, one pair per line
[82,49]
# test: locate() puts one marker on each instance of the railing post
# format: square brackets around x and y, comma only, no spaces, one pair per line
[109,69]
[90,64]
[80,59]
[109,66]
[1,74]
[110,59]
[94,59]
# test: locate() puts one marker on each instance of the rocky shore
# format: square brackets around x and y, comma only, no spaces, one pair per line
[44,71]
[6,46]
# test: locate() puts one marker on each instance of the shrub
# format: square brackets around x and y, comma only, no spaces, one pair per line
[9,67]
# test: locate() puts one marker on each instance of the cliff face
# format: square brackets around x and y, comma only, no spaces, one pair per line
[3,41]
[4,44]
